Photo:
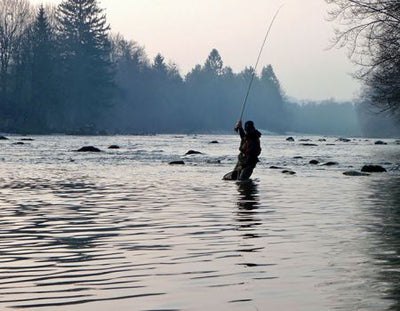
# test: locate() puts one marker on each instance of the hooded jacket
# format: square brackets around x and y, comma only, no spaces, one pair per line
[250,147]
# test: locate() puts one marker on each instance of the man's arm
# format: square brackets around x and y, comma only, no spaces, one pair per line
[239,128]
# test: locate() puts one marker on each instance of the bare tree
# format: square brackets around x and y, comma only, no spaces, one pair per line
[15,18]
[371,31]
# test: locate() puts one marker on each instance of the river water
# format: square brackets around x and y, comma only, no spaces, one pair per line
[122,229]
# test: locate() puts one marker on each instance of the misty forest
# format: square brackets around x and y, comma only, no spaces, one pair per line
[64,71]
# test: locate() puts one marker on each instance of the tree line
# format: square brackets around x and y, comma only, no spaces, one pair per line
[63,71]
[56,72]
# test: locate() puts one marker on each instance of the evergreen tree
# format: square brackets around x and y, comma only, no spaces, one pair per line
[214,63]
[44,85]
[273,98]
[268,76]
[247,74]
[85,58]
[159,65]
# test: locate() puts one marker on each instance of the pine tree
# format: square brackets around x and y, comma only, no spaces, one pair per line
[44,87]
[268,76]
[273,98]
[85,57]
[214,63]
[159,65]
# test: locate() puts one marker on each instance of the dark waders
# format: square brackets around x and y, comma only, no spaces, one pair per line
[241,171]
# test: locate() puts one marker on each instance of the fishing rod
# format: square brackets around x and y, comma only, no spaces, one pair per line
[258,60]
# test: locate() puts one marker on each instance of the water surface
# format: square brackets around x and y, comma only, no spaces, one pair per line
[124,229]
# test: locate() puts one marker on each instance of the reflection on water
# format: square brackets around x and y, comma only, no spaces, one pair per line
[386,230]
[248,203]
[248,199]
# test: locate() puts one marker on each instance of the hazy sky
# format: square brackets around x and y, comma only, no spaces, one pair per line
[185,31]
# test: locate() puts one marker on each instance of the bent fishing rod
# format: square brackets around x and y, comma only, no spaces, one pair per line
[258,60]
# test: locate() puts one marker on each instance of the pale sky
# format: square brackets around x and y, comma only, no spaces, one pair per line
[185,32]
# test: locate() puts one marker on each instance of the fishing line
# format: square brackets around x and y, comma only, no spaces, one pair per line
[258,60]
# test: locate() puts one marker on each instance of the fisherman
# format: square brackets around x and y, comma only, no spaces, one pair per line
[249,149]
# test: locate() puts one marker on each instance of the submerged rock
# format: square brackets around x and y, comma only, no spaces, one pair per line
[380,142]
[330,163]
[309,145]
[322,139]
[314,162]
[290,139]
[373,169]
[298,157]
[345,140]
[3,138]
[113,147]
[305,139]
[288,172]
[355,173]
[193,152]
[214,142]
[19,143]
[89,149]
[27,139]
[177,163]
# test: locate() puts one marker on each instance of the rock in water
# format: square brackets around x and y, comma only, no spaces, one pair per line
[113,147]
[290,139]
[345,140]
[309,145]
[373,169]
[177,163]
[380,142]
[193,152]
[331,163]
[3,138]
[288,172]
[89,149]
[214,142]
[355,173]
[314,162]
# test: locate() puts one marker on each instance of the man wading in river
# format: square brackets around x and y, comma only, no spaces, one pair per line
[249,148]
[250,145]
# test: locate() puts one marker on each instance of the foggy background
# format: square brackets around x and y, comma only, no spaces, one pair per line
[58,78]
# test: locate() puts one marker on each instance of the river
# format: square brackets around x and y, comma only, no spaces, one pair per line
[122,229]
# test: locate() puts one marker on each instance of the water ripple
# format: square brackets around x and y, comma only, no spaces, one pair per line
[123,229]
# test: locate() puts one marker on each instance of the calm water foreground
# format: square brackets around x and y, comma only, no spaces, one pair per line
[124,230]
